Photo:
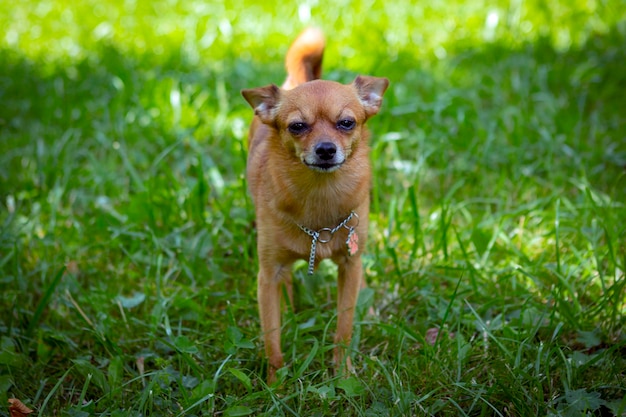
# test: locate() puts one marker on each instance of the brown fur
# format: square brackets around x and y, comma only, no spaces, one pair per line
[314,177]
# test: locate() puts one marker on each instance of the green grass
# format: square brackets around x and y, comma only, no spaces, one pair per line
[127,243]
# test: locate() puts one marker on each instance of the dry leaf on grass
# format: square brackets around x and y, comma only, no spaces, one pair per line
[433,333]
[18,409]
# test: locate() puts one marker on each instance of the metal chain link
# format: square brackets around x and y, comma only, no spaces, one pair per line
[315,237]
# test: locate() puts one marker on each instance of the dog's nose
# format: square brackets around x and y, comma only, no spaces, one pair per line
[326,151]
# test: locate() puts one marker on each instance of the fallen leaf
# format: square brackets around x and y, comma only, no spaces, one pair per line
[72,267]
[140,365]
[18,409]
[141,369]
[433,333]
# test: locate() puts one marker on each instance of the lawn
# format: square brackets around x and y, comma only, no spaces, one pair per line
[127,239]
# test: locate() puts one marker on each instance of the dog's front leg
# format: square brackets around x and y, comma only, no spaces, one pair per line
[269,282]
[350,280]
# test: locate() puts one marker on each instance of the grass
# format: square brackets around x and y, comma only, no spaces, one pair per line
[127,246]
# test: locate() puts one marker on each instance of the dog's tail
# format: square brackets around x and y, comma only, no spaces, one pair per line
[304,58]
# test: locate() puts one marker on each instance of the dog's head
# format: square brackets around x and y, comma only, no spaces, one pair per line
[320,122]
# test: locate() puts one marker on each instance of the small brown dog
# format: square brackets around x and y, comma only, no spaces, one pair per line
[309,176]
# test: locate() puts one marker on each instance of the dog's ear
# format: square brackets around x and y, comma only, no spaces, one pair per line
[264,101]
[370,91]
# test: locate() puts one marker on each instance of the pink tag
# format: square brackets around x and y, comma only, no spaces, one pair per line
[352,243]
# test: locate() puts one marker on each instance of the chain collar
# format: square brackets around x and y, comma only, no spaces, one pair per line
[325,235]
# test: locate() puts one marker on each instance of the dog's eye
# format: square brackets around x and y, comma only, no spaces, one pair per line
[298,127]
[346,124]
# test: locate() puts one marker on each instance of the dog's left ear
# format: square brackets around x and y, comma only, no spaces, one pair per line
[264,101]
[370,91]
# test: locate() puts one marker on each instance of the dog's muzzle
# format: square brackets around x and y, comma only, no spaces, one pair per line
[325,157]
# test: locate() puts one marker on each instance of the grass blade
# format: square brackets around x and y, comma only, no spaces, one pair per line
[43,302]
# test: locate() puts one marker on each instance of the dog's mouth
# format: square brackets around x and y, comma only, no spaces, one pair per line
[325,166]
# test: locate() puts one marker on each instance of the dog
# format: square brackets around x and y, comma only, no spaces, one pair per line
[309,176]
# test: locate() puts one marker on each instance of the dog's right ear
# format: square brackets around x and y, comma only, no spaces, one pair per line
[264,101]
